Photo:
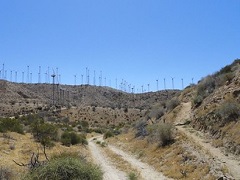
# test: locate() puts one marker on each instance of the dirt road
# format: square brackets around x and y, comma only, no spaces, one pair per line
[110,172]
[232,164]
[146,171]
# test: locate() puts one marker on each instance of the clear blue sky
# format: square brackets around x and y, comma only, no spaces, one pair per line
[135,40]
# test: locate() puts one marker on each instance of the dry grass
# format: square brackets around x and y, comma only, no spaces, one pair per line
[24,147]
[170,160]
[232,129]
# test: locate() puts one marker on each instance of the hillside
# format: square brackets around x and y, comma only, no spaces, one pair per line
[216,107]
[18,98]
[205,119]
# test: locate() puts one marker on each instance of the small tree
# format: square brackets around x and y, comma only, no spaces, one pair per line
[44,133]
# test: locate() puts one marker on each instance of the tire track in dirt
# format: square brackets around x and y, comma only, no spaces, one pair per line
[110,172]
[232,164]
[146,171]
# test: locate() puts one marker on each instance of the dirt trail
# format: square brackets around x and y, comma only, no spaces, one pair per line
[232,164]
[146,171]
[110,172]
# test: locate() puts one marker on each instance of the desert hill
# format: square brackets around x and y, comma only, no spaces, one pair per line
[19,98]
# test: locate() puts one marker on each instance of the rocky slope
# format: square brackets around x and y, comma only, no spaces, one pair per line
[216,107]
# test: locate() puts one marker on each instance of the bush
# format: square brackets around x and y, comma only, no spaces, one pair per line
[160,133]
[172,104]
[108,134]
[229,111]
[197,100]
[43,132]
[125,109]
[66,166]
[83,126]
[132,176]
[71,138]
[206,86]
[224,70]
[99,130]
[28,120]
[223,78]
[7,124]
[141,128]
[156,113]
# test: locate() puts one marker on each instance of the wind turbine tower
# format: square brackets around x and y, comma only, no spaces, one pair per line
[53,76]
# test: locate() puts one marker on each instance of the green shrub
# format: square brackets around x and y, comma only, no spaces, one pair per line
[66,166]
[132,176]
[71,138]
[43,132]
[103,144]
[98,130]
[83,126]
[197,100]
[160,133]
[27,120]
[13,125]
[108,134]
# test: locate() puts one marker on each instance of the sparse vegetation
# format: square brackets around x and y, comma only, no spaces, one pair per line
[223,78]
[108,134]
[229,111]
[132,176]
[197,100]
[8,124]
[204,88]
[211,82]
[71,138]
[160,133]
[66,166]
[172,104]
[156,112]
[44,133]
[140,126]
